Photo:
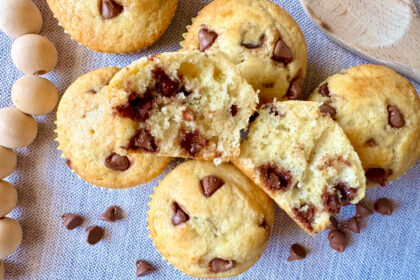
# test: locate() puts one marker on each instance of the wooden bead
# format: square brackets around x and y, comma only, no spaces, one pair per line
[17,129]
[19,17]
[34,95]
[8,198]
[10,236]
[8,162]
[34,54]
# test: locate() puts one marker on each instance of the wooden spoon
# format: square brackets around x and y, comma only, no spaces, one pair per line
[384,31]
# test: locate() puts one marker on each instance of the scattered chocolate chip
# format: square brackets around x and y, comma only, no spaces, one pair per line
[68,162]
[297,252]
[347,194]
[253,45]
[275,177]
[362,211]
[220,265]
[234,110]
[377,175]
[305,216]
[295,89]
[138,108]
[334,223]
[395,117]
[143,268]
[111,214]
[371,142]
[179,216]
[193,142]
[210,184]
[164,84]
[206,38]
[71,221]
[94,234]
[338,240]
[328,110]
[282,52]
[253,117]
[144,140]
[324,91]
[353,224]
[331,202]
[384,206]
[117,162]
[110,9]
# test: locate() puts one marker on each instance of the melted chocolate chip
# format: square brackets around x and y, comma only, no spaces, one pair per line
[282,52]
[331,202]
[143,268]
[328,110]
[220,265]
[137,109]
[210,184]
[338,240]
[111,214]
[254,45]
[347,194]
[164,84]
[179,216]
[253,117]
[110,9]
[333,223]
[117,162]
[377,175]
[234,110]
[324,91]
[275,177]
[94,234]
[362,211]
[384,206]
[353,224]
[206,38]
[295,89]
[193,142]
[71,221]
[143,140]
[395,117]
[371,142]
[306,217]
[297,252]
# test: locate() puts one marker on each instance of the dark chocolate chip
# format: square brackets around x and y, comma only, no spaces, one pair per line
[68,162]
[295,89]
[111,214]
[338,240]
[331,202]
[333,223]
[306,217]
[326,109]
[353,224]
[253,117]
[210,184]
[179,216]
[234,110]
[92,91]
[384,206]
[138,108]
[395,117]
[282,52]
[324,91]
[117,162]
[144,140]
[221,265]
[271,108]
[275,177]
[347,194]
[193,142]
[362,211]
[254,45]
[371,142]
[297,252]
[164,85]
[110,9]
[71,221]
[377,175]
[206,38]
[94,234]
[144,268]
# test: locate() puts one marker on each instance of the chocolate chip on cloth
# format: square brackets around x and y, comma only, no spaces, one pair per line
[384,206]
[94,234]
[353,224]
[200,205]
[338,240]
[377,175]
[363,211]
[112,214]
[297,252]
[144,268]
[72,221]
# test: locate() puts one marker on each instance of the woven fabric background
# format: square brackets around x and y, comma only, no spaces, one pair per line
[387,248]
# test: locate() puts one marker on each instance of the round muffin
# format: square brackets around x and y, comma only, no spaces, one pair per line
[85,136]
[304,161]
[182,104]
[114,26]
[261,38]
[379,110]
[210,221]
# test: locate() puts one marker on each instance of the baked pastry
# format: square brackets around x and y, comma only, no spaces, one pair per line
[304,161]
[181,104]
[85,137]
[261,38]
[114,26]
[379,110]
[210,221]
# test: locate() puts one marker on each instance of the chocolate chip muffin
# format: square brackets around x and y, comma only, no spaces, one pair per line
[379,110]
[261,38]
[114,26]
[181,105]
[210,221]
[85,137]
[301,158]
